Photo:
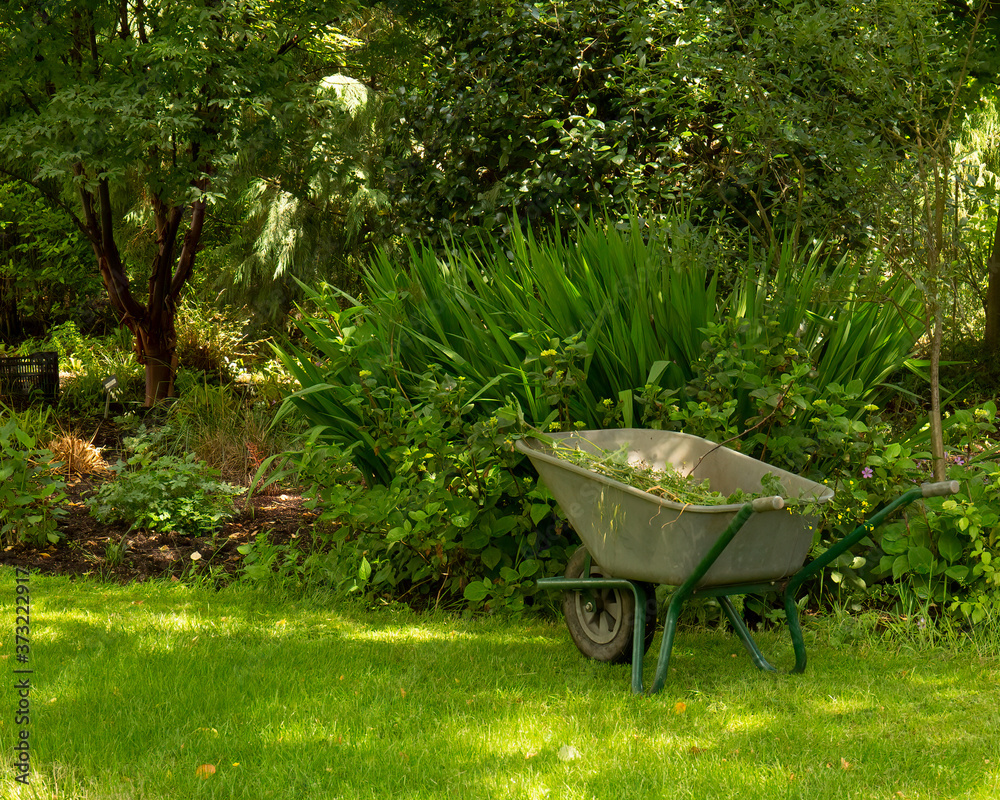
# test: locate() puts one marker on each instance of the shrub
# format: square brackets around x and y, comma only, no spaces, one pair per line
[945,556]
[30,495]
[625,313]
[168,493]
[211,341]
[457,517]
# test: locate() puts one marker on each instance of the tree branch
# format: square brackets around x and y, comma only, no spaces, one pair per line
[50,196]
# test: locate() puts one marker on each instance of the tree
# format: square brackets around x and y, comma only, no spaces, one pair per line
[767,114]
[100,95]
[46,272]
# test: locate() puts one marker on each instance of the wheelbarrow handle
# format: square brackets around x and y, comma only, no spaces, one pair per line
[762,504]
[941,489]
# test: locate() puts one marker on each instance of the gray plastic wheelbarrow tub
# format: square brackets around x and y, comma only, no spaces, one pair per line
[641,537]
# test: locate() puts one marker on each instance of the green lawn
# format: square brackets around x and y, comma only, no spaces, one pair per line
[135,688]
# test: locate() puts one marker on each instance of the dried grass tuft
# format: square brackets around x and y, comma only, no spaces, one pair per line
[76,456]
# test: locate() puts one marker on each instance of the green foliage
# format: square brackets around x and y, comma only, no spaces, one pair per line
[168,493]
[782,117]
[229,427]
[759,390]
[610,329]
[46,274]
[89,360]
[522,110]
[666,482]
[30,494]
[212,340]
[566,327]
[447,511]
[947,555]
[806,106]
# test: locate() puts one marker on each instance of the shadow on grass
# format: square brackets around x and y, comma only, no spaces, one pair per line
[136,688]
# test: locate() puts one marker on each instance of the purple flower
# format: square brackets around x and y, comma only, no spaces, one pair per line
[960,461]
[867,472]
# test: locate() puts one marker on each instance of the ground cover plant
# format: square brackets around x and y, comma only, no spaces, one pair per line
[172,691]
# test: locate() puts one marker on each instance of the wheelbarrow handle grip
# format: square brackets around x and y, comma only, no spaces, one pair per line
[768,504]
[940,489]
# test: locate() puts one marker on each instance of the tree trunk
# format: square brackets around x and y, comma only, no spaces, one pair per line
[152,324]
[991,338]
[938,461]
[159,357]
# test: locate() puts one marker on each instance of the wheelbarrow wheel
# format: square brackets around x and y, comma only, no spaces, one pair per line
[601,621]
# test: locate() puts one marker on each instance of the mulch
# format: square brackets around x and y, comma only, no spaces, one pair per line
[87,547]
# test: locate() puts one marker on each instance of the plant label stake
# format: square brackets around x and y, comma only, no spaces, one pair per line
[110,383]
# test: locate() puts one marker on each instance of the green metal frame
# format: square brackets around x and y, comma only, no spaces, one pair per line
[689,589]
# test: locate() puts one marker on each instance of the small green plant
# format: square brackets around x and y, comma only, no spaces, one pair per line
[115,551]
[30,493]
[168,493]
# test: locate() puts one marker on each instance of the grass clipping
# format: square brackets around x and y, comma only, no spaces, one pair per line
[666,482]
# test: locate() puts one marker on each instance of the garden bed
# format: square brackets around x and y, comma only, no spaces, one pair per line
[88,547]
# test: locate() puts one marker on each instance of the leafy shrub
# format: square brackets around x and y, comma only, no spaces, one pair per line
[210,340]
[454,517]
[30,495]
[168,493]
[946,555]
[537,110]
[619,315]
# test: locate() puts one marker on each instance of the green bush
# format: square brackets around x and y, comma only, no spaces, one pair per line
[30,494]
[945,556]
[168,493]
[458,517]
[563,327]
[615,328]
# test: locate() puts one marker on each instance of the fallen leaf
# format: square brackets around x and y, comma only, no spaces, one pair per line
[205,771]
[844,763]
[695,750]
[680,707]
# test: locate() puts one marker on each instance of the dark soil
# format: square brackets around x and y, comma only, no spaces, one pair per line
[87,546]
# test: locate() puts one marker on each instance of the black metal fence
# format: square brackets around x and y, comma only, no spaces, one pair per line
[30,378]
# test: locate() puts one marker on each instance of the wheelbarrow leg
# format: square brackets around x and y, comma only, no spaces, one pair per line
[684,592]
[744,635]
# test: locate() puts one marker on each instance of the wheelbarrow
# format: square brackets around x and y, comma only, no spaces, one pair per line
[633,539]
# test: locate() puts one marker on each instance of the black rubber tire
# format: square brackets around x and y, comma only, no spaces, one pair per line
[605,632]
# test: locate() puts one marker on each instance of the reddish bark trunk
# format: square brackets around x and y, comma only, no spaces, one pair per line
[151,324]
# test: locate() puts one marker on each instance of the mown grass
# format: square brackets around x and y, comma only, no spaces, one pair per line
[137,687]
